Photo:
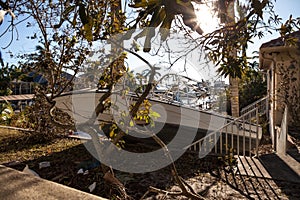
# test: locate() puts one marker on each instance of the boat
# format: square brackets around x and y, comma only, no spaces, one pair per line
[181,122]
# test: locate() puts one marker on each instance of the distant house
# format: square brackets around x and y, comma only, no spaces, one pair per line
[23,90]
[27,84]
[280,58]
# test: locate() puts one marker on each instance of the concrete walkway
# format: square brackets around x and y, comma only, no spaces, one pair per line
[18,185]
[281,167]
[271,166]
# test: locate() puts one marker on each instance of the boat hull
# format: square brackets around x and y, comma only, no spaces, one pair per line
[177,125]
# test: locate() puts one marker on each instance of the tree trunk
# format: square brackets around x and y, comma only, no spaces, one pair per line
[234,96]
[234,82]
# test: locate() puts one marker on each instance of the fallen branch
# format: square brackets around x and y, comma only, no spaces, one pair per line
[190,193]
[116,184]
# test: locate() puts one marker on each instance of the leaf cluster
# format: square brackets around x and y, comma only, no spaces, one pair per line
[7,75]
[227,46]
[252,85]
[6,113]
[113,72]
[158,13]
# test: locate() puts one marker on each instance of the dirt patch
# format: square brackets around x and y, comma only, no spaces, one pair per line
[6,133]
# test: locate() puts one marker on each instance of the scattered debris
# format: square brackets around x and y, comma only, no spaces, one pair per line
[89,164]
[30,171]
[12,163]
[59,177]
[86,172]
[44,164]
[85,136]
[80,135]
[80,171]
[92,187]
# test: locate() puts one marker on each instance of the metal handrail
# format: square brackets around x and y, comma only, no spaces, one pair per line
[232,122]
[218,134]
[254,104]
[166,96]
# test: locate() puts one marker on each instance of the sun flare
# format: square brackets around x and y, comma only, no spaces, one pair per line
[207,20]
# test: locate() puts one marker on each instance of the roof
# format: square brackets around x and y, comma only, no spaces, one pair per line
[276,46]
[39,78]
[280,41]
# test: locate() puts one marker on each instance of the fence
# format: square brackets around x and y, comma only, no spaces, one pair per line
[238,134]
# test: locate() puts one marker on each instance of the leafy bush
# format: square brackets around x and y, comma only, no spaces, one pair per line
[6,113]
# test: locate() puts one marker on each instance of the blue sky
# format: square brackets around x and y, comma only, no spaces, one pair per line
[283,8]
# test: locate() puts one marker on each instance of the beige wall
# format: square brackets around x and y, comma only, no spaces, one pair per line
[285,83]
[282,65]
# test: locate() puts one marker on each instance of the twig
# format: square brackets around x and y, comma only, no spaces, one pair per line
[157,190]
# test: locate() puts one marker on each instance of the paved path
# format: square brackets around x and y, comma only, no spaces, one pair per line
[267,177]
[282,167]
[272,166]
[18,185]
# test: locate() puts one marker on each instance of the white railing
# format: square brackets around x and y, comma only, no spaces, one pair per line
[238,134]
[262,105]
[176,97]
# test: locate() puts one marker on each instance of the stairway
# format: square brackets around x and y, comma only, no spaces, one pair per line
[240,136]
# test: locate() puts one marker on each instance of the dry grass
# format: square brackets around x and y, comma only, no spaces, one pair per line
[7,133]
[15,147]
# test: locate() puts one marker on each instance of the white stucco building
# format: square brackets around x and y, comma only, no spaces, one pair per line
[280,58]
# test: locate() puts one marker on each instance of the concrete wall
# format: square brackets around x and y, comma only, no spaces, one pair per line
[286,86]
[283,68]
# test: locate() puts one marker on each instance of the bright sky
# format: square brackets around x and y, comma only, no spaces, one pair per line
[283,8]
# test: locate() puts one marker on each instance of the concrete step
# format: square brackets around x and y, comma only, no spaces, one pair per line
[19,185]
[250,166]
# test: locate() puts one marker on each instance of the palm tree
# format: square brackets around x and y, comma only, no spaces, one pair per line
[227,16]
[163,13]
[233,39]
[233,81]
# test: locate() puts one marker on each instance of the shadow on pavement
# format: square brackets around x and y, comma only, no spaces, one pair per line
[278,169]
[282,174]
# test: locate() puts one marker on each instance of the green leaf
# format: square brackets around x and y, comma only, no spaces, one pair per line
[131,123]
[88,28]
[154,114]
[68,10]
[83,15]
[144,3]
[112,133]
